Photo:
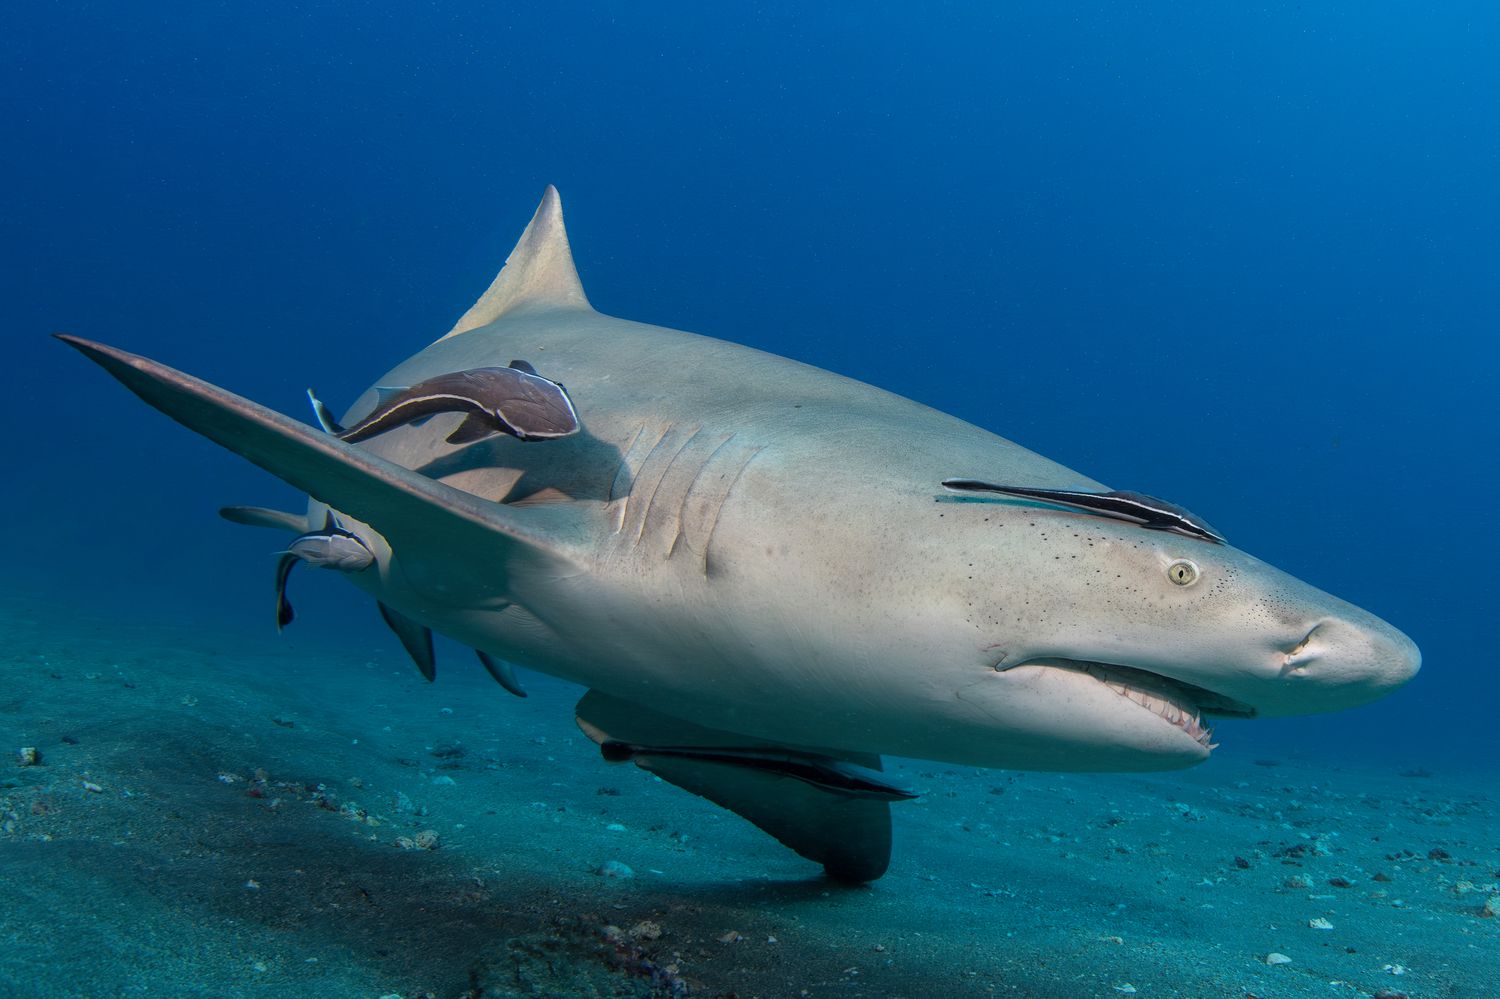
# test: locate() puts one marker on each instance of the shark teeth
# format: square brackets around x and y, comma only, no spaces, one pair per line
[1166,704]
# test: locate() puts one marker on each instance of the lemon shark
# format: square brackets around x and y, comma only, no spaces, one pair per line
[758,572]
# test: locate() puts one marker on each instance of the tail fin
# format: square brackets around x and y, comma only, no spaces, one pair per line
[284,567]
[324,414]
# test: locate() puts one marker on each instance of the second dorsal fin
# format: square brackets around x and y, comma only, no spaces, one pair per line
[539,273]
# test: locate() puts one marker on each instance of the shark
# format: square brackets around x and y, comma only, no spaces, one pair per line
[757,571]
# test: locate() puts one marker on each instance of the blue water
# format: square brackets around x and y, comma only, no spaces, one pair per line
[1244,259]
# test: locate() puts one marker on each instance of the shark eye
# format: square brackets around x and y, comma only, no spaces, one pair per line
[1182,572]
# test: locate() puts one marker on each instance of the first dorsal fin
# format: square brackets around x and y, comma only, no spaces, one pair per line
[538,275]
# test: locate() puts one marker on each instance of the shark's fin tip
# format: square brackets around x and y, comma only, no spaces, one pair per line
[415,637]
[502,672]
[539,274]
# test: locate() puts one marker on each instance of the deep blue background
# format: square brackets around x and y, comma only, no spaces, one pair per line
[1247,260]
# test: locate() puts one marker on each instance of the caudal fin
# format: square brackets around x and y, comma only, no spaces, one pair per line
[324,415]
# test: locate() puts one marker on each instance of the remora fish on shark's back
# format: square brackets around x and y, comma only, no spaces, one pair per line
[750,563]
[1133,507]
[514,400]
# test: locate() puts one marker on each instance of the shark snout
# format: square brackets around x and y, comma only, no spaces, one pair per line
[1343,661]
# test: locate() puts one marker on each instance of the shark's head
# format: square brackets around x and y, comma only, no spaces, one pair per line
[1125,643]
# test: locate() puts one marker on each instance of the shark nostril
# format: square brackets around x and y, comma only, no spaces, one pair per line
[1302,645]
[1297,658]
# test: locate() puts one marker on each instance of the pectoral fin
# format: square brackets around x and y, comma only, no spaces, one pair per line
[415,637]
[829,808]
[474,428]
[480,544]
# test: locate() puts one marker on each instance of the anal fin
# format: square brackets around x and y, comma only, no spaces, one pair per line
[474,428]
[848,833]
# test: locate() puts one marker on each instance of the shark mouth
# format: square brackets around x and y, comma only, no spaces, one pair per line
[1180,704]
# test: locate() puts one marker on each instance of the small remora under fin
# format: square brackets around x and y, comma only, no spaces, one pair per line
[418,516]
[850,836]
[503,673]
[416,639]
[538,274]
[259,516]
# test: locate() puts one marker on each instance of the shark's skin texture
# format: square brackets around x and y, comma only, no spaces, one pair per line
[765,548]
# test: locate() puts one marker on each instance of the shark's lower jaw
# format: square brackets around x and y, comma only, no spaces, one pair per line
[1180,704]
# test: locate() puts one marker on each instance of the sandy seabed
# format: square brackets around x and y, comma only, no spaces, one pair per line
[221,815]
